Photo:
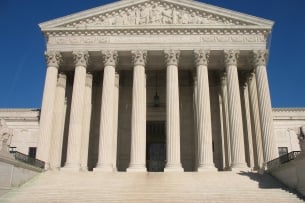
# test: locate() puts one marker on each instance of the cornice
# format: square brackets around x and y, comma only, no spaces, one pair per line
[296,109]
[157,30]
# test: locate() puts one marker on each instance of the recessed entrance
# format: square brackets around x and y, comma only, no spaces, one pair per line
[155,146]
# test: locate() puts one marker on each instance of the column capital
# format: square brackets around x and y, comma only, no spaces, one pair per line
[139,57]
[223,78]
[53,58]
[259,57]
[249,75]
[201,57]
[110,57]
[172,57]
[230,57]
[81,58]
[61,81]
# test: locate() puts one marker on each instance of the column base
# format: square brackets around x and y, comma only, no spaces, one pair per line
[174,168]
[71,168]
[47,166]
[238,167]
[103,168]
[207,168]
[136,168]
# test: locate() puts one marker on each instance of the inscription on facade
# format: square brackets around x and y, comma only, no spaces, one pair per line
[70,40]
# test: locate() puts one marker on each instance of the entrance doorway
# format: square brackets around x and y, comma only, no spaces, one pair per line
[155,146]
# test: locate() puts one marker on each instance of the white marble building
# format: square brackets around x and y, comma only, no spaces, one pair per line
[157,85]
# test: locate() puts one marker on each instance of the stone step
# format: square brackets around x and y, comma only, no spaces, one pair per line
[151,187]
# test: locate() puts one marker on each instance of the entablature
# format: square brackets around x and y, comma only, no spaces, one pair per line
[156,60]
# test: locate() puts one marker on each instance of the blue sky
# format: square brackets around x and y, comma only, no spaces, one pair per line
[22,66]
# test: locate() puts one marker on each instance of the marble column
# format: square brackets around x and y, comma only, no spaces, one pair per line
[235,116]
[86,123]
[172,112]
[195,107]
[53,60]
[247,123]
[205,148]
[265,109]
[115,120]
[138,114]
[76,114]
[105,158]
[258,149]
[225,118]
[58,123]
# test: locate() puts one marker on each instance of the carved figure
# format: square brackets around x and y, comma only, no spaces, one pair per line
[184,17]
[175,16]
[145,13]
[5,136]
[302,139]
[167,16]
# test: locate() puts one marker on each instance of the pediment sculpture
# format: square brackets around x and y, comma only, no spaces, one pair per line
[6,134]
[302,139]
[155,13]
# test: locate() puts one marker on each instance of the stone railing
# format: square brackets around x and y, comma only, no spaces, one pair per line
[282,159]
[290,171]
[28,160]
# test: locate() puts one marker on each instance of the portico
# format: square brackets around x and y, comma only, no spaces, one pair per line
[206,68]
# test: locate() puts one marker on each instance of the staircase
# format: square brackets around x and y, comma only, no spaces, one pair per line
[64,187]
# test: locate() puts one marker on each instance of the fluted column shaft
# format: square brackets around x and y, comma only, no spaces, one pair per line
[105,158]
[205,150]
[225,116]
[248,126]
[115,120]
[195,107]
[235,116]
[265,109]
[138,114]
[172,112]
[58,123]
[86,123]
[77,109]
[256,121]
[43,150]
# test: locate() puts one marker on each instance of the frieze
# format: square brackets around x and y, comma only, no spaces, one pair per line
[155,13]
[87,40]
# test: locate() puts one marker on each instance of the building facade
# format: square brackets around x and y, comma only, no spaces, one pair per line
[157,85]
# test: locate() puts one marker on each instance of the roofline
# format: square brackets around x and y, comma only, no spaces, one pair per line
[288,109]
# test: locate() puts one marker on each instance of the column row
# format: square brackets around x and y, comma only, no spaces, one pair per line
[258,120]
[53,106]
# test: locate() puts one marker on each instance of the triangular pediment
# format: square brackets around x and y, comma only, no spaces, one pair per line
[155,14]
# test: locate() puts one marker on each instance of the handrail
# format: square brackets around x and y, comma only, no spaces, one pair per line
[282,159]
[28,160]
